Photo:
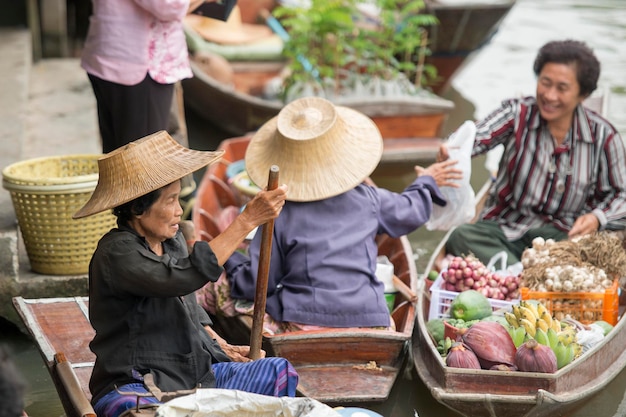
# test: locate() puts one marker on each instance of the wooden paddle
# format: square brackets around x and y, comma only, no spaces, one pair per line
[260,296]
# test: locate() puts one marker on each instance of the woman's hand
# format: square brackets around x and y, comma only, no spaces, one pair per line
[265,206]
[584,225]
[238,353]
[235,352]
[444,173]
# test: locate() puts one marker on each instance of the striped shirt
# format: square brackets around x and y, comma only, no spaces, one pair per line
[539,183]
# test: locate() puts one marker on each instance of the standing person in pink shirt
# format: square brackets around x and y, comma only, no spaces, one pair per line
[134,53]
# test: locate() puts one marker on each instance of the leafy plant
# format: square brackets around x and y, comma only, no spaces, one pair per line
[335,46]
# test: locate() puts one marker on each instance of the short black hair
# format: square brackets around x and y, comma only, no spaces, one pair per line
[572,52]
[12,386]
[140,205]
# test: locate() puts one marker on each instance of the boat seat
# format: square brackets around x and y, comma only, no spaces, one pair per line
[208,226]
[225,195]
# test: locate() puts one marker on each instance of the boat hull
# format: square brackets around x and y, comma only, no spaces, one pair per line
[464,28]
[411,127]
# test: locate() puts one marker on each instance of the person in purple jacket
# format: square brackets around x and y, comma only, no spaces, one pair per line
[323,257]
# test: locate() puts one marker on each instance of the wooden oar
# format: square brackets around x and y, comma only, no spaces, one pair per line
[256,334]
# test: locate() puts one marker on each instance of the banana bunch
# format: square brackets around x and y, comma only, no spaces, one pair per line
[533,320]
[532,316]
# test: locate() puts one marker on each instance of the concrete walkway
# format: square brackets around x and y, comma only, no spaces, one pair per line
[46,109]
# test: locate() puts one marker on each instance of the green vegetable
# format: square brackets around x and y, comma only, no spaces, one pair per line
[470,305]
[433,275]
[436,329]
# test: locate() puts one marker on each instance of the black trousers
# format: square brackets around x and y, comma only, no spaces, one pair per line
[127,113]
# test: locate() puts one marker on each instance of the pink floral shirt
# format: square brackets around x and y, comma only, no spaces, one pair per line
[166,64]
[128,39]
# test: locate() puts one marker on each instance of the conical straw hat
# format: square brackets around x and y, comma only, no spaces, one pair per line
[140,167]
[230,32]
[321,150]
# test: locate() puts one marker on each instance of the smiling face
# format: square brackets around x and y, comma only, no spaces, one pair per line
[558,93]
[160,221]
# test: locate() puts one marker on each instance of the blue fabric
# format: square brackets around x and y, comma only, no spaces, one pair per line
[268,376]
[113,404]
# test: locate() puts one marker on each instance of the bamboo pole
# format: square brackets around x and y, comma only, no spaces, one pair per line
[260,296]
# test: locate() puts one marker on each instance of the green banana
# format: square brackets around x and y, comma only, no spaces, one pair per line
[542,337]
[553,338]
[518,336]
[564,355]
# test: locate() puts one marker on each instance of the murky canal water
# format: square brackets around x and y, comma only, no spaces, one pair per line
[500,70]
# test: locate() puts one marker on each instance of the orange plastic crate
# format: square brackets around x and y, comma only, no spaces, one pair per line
[586,307]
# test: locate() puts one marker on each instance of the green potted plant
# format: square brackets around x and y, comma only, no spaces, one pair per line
[340,46]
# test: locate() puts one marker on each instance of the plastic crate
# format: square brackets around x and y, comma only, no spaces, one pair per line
[441,299]
[586,307]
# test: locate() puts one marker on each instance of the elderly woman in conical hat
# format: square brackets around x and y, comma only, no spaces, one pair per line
[323,260]
[142,281]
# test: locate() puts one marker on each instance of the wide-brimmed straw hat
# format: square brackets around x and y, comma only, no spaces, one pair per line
[321,150]
[231,32]
[140,167]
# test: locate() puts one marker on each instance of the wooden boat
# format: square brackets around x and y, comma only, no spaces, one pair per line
[410,125]
[335,366]
[464,27]
[478,393]
[61,329]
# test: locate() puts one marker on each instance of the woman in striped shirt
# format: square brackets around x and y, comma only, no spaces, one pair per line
[563,170]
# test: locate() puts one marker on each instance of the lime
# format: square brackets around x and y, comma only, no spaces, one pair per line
[432,275]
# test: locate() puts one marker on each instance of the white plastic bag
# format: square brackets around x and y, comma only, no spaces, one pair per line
[504,270]
[215,402]
[461,206]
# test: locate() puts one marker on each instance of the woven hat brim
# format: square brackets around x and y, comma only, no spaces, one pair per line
[228,33]
[141,167]
[317,168]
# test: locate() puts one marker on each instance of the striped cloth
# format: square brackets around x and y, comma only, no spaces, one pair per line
[267,376]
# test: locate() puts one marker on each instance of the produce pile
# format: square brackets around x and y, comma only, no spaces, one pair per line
[468,273]
[527,338]
[588,264]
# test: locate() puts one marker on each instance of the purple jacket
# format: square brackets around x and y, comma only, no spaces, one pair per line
[323,260]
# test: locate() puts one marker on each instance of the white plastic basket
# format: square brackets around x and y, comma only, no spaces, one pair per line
[441,299]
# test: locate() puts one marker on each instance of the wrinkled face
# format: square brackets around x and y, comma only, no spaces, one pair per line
[160,221]
[558,92]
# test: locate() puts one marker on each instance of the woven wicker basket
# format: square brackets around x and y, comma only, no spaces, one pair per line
[46,192]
